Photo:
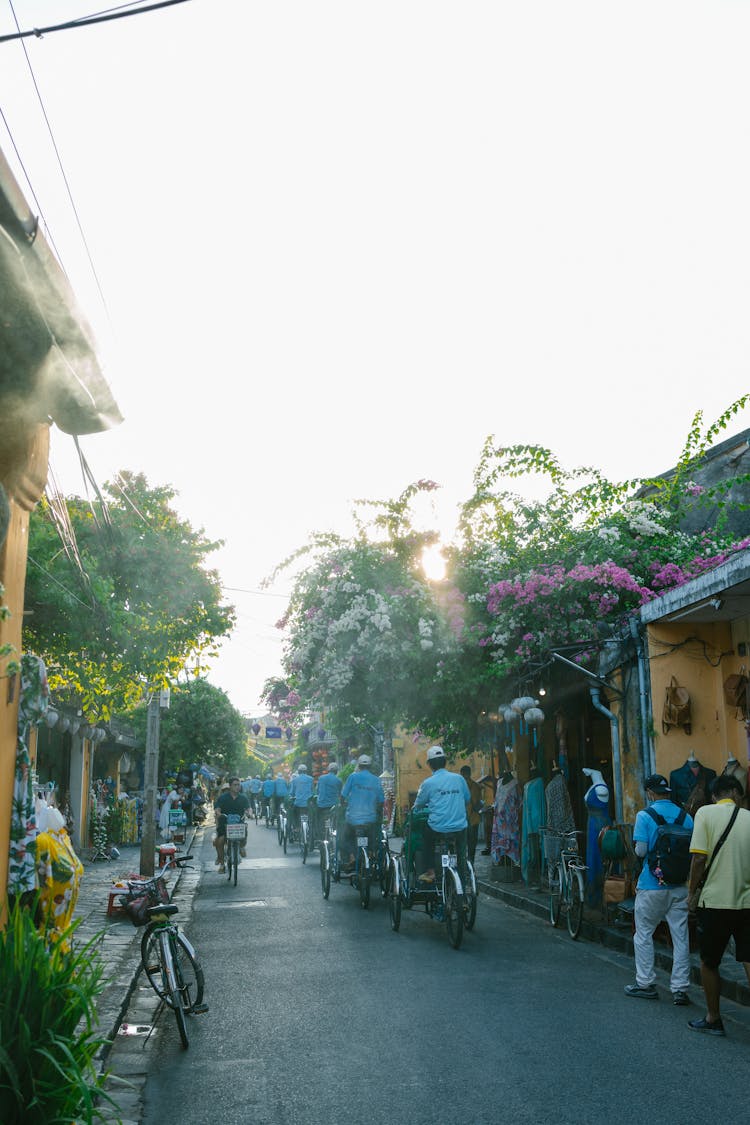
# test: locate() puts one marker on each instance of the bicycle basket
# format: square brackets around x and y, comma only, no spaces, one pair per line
[140,897]
[235,832]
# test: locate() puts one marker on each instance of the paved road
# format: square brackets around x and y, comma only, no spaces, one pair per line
[319,1013]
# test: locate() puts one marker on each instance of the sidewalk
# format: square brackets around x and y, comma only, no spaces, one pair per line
[115,937]
[734,985]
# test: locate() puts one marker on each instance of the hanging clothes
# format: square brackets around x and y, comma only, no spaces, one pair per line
[735,770]
[533,819]
[598,818]
[506,823]
[559,814]
[32,708]
[59,871]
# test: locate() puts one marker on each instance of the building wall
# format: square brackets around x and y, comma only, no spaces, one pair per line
[410,768]
[700,656]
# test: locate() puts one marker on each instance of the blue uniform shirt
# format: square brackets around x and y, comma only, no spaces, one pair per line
[255,785]
[280,787]
[268,787]
[364,797]
[445,796]
[644,832]
[301,790]
[329,790]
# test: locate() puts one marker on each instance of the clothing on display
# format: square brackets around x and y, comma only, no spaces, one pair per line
[506,823]
[596,800]
[533,819]
[59,871]
[559,814]
[734,769]
[690,784]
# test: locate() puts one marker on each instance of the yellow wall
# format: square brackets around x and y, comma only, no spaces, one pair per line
[701,663]
[410,767]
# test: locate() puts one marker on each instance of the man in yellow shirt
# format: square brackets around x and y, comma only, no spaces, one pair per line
[723,901]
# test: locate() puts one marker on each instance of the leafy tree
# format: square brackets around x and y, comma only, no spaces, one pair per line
[119,594]
[200,726]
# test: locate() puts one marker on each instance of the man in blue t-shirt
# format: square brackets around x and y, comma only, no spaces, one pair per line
[267,794]
[327,797]
[300,792]
[255,787]
[363,799]
[657,901]
[446,798]
[280,793]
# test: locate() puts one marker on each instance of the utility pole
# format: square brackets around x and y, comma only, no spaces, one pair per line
[151,774]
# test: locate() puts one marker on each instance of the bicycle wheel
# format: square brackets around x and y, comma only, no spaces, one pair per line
[575,905]
[470,899]
[174,998]
[394,900]
[280,831]
[325,871]
[363,879]
[284,836]
[151,961]
[555,894]
[188,972]
[454,910]
[304,828]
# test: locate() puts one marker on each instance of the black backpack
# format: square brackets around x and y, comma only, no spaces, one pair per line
[669,861]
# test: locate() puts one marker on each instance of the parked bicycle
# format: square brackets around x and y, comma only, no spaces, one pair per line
[167,957]
[566,879]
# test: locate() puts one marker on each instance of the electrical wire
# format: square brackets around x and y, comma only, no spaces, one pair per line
[62,171]
[86,21]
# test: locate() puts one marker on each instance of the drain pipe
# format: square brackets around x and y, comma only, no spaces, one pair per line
[615,731]
[648,758]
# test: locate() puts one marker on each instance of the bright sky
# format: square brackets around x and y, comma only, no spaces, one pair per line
[341,243]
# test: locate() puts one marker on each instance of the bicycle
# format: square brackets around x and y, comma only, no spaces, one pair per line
[304,834]
[167,957]
[282,821]
[566,881]
[449,899]
[236,834]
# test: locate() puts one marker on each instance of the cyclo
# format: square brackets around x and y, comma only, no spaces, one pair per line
[371,864]
[452,898]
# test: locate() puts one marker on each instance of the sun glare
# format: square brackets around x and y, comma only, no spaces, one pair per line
[433,563]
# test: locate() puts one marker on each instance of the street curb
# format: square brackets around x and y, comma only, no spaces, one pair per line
[612,938]
[130,983]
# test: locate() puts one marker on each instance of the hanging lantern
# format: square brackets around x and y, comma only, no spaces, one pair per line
[75,726]
[523,703]
[534,716]
[288,732]
[321,733]
[255,728]
[52,717]
[64,724]
[510,714]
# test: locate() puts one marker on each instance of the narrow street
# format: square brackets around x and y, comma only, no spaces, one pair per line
[319,1012]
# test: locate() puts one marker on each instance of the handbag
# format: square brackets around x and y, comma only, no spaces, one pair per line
[676,707]
[735,692]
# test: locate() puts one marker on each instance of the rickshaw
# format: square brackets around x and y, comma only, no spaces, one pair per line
[372,864]
[451,898]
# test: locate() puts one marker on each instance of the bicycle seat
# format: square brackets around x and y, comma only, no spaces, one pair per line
[162,908]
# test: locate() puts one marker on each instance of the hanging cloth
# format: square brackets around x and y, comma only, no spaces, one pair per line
[506,823]
[533,819]
[32,707]
[559,815]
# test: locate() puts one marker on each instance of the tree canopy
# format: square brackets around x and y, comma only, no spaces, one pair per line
[118,594]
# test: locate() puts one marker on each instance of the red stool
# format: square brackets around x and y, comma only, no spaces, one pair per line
[167,853]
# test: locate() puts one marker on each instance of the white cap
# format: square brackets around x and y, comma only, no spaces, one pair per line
[435,752]
[364,760]
[333,767]
[302,768]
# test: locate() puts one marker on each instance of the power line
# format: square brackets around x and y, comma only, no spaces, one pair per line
[62,169]
[86,21]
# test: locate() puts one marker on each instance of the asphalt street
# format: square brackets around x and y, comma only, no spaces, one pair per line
[320,1013]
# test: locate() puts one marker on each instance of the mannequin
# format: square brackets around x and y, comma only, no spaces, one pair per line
[596,800]
[734,769]
[506,823]
[533,819]
[690,784]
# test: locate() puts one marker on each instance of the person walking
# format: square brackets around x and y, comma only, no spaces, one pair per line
[661,896]
[719,890]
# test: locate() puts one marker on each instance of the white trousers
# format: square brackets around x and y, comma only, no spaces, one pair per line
[667,904]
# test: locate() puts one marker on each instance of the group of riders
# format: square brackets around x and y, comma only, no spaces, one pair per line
[444,798]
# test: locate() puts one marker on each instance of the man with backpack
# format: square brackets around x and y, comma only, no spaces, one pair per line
[662,839]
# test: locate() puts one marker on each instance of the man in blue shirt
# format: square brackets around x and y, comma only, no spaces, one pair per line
[267,791]
[255,787]
[328,793]
[657,901]
[445,796]
[363,799]
[280,793]
[300,792]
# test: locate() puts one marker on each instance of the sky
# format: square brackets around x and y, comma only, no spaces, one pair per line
[336,245]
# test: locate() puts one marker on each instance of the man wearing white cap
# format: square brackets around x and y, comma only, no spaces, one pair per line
[363,799]
[446,798]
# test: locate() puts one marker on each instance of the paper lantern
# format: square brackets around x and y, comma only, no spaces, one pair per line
[534,716]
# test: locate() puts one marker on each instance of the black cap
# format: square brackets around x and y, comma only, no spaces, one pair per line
[657,783]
